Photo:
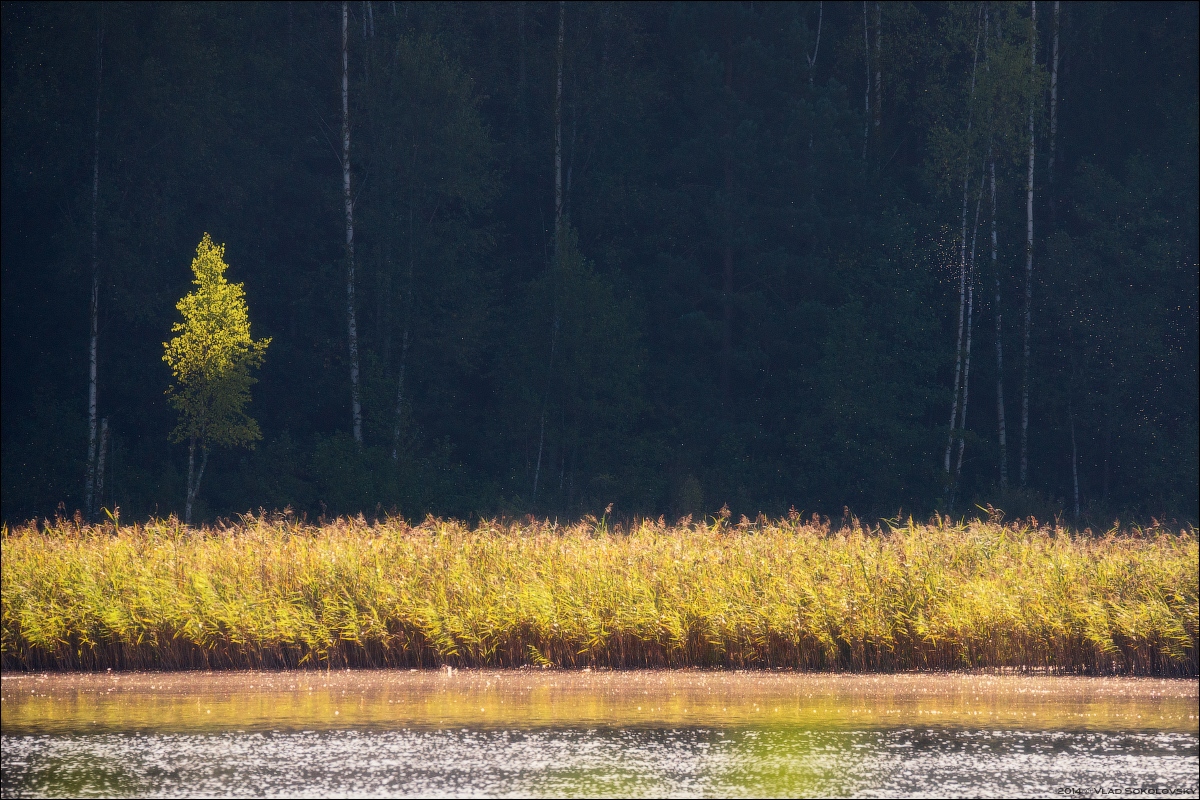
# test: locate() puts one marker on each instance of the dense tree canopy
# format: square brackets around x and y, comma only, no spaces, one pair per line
[774,217]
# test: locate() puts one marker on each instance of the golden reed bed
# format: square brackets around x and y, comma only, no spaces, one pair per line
[270,592]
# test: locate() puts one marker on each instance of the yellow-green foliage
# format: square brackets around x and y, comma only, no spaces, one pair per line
[212,355]
[270,592]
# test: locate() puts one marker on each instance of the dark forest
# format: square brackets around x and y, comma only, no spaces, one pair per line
[654,258]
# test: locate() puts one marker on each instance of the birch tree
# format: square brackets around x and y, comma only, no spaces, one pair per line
[812,60]
[878,71]
[1005,97]
[94,329]
[558,93]
[558,209]
[962,273]
[966,382]
[867,88]
[398,427]
[100,462]
[997,311]
[1053,113]
[1028,252]
[348,200]
[997,301]
[210,357]
[590,404]
[423,139]
[1074,461]
[727,255]
[522,107]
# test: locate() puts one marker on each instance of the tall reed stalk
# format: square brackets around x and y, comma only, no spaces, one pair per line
[276,593]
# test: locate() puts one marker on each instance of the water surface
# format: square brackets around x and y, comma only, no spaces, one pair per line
[533,732]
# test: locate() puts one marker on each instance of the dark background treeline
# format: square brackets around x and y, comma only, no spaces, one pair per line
[758,299]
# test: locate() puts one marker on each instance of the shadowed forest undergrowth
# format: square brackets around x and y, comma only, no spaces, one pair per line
[270,592]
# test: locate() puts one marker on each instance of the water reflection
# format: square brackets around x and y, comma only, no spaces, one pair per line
[390,699]
[578,734]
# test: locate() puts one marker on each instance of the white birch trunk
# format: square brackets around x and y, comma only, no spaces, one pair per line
[1028,256]
[1074,462]
[558,192]
[999,341]
[1053,113]
[351,321]
[727,260]
[878,69]
[812,60]
[521,68]
[966,381]
[100,463]
[194,479]
[408,312]
[571,160]
[398,428]
[368,33]
[562,452]
[537,472]
[962,420]
[962,264]
[958,346]
[867,90]
[196,488]
[558,208]
[1110,408]
[94,329]
[187,504]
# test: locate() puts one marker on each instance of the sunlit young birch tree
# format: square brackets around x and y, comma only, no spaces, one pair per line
[211,357]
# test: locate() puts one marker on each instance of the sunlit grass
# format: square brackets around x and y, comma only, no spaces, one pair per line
[274,592]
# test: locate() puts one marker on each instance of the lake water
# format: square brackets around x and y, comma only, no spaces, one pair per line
[534,732]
